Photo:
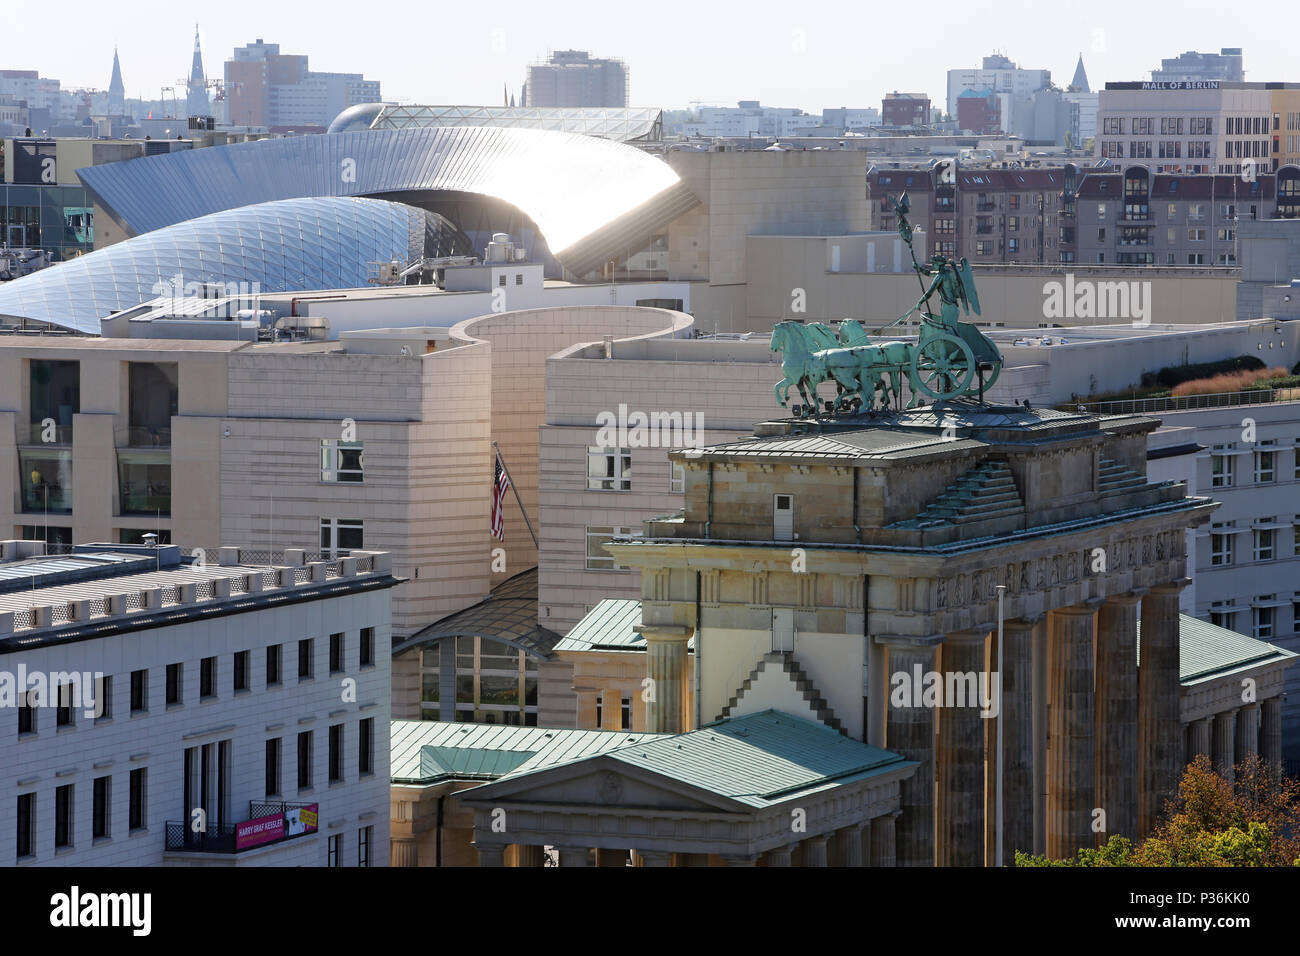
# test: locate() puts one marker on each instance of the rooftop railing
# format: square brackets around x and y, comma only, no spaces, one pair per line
[1170,403]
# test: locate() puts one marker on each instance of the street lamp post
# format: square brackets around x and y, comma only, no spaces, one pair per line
[997,832]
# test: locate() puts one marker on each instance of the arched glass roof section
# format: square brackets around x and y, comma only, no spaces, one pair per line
[623,124]
[573,187]
[360,116]
[286,246]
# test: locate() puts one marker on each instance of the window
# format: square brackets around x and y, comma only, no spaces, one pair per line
[104,697]
[273,767]
[1221,548]
[598,559]
[136,818]
[1196,259]
[366,746]
[1263,618]
[207,677]
[63,816]
[241,671]
[27,711]
[1013,245]
[175,673]
[501,279]
[341,460]
[273,655]
[1266,462]
[984,247]
[1195,235]
[626,713]
[609,469]
[364,837]
[100,808]
[336,753]
[63,715]
[366,655]
[1101,212]
[304,760]
[339,536]
[519,278]
[304,658]
[1221,466]
[1295,548]
[336,841]
[1222,614]
[139,691]
[676,477]
[1013,222]
[782,517]
[1265,540]
[1196,211]
[26,824]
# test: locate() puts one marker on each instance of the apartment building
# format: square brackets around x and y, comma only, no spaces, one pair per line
[1143,218]
[172,712]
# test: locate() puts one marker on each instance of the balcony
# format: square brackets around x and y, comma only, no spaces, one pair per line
[43,434]
[142,436]
[984,230]
[46,475]
[144,481]
[986,205]
[267,824]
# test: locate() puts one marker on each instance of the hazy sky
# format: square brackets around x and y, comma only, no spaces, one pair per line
[809,55]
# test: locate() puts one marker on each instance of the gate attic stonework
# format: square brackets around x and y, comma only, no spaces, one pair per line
[897,533]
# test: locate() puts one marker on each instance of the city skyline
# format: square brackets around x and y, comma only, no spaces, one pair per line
[805,62]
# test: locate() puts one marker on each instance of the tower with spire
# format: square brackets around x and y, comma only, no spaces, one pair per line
[196,97]
[116,90]
[1080,82]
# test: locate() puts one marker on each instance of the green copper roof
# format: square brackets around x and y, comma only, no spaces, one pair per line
[760,759]
[608,627]
[426,751]
[1207,650]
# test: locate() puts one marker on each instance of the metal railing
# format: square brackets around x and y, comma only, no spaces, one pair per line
[1170,403]
[220,838]
[142,436]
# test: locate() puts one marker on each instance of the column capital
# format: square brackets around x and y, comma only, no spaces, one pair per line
[672,633]
[910,640]
[1171,587]
[1083,609]
[1127,598]
[970,635]
[1025,623]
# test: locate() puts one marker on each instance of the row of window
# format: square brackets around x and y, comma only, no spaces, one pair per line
[100,816]
[1223,463]
[610,469]
[1263,615]
[306,755]
[67,695]
[1263,532]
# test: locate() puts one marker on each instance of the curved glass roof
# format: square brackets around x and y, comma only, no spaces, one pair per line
[625,125]
[286,246]
[572,186]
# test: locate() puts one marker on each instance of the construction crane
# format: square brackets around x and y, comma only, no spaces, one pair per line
[86,93]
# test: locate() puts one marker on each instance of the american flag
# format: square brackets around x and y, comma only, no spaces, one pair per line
[500,485]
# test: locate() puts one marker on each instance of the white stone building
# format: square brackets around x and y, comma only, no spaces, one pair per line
[218,709]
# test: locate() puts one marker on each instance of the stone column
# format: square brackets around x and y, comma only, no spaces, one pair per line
[739,859]
[1159,727]
[910,731]
[1198,738]
[814,851]
[959,786]
[611,857]
[1071,759]
[1015,713]
[491,854]
[586,700]
[531,855]
[779,856]
[611,709]
[654,857]
[666,666]
[1221,748]
[849,842]
[1117,714]
[406,852]
[1270,733]
[1247,732]
[883,830]
[574,856]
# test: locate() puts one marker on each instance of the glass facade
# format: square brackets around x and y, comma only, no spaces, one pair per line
[286,246]
[152,400]
[477,679]
[144,482]
[58,219]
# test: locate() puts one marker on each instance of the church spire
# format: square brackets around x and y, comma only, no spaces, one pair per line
[196,97]
[116,89]
[1080,82]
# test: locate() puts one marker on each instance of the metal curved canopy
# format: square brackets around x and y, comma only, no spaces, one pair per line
[508,614]
[572,186]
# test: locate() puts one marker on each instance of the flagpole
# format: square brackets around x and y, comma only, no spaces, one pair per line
[515,488]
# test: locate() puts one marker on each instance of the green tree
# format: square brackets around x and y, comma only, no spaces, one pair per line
[1253,820]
